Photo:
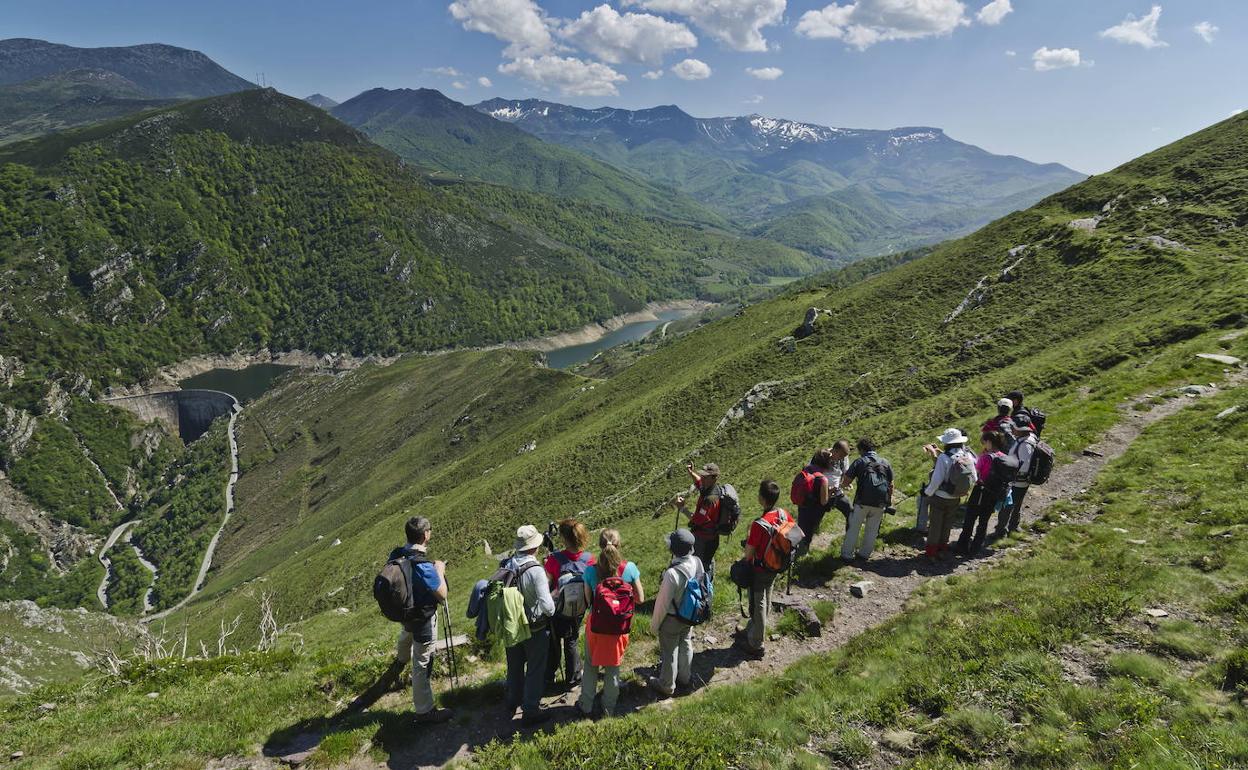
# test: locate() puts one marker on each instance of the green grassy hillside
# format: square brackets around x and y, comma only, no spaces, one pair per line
[67,99]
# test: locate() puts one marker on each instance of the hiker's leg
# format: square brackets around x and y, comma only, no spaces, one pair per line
[669,642]
[555,653]
[982,515]
[756,629]
[704,549]
[1016,512]
[572,651]
[610,689]
[403,646]
[535,652]
[946,526]
[422,660]
[684,654]
[851,531]
[874,518]
[968,527]
[589,687]
[841,503]
[808,521]
[936,509]
[515,675]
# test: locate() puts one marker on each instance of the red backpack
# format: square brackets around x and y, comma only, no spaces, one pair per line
[805,487]
[614,604]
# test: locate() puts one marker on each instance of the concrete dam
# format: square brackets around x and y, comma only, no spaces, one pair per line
[189,412]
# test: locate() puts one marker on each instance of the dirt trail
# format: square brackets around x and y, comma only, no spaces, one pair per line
[896,570]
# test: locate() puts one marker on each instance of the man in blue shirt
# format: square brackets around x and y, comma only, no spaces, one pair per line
[418,638]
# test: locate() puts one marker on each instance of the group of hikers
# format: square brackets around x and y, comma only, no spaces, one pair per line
[537,609]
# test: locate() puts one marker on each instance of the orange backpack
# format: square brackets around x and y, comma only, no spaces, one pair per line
[782,542]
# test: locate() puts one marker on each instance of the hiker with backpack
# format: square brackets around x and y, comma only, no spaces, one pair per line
[566,570]
[1035,462]
[769,550]
[683,601]
[816,490]
[612,588]
[1004,421]
[410,589]
[873,496]
[953,477]
[521,616]
[1037,417]
[995,470]
[715,514]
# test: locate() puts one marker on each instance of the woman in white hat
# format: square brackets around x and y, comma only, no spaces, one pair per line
[943,493]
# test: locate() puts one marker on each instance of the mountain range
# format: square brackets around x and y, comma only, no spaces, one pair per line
[47,87]
[838,191]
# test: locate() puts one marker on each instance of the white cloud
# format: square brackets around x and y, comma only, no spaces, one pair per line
[1206,30]
[1140,31]
[570,75]
[1045,59]
[737,24]
[691,69]
[459,85]
[630,37]
[864,23]
[994,12]
[652,74]
[449,72]
[520,23]
[1011,54]
[764,73]
[755,99]
[485,82]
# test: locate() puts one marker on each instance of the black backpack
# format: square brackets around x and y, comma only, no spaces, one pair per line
[729,509]
[873,482]
[1041,466]
[1004,470]
[1038,418]
[402,590]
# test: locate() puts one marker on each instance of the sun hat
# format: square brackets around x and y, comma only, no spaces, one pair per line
[680,542]
[952,436]
[527,538]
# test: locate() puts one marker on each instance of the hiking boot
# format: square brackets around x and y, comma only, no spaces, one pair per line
[743,647]
[434,717]
[657,689]
[535,718]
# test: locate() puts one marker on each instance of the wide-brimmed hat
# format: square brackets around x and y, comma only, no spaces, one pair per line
[527,538]
[710,469]
[952,436]
[680,542]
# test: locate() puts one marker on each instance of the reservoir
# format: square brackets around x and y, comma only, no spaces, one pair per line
[244,384]
[562,358]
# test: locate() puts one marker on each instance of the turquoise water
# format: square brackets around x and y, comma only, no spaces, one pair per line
[244,384]
[562,358]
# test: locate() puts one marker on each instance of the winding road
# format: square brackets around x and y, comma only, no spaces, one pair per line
[206,563]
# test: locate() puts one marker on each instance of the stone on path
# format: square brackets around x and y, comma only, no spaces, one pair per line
[1154,612]
[46,707]
[1222,415]
[1220,358]
[1137,542]
[1195,390]
[861,588]
[17,755]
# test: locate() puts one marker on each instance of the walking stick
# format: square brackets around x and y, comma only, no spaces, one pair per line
[452,666]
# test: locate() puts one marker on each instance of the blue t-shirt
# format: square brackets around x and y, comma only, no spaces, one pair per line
[631,575]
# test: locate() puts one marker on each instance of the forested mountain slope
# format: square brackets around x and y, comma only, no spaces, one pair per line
[429,130]
[842,192]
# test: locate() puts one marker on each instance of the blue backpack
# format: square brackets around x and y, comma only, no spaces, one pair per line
[694,607]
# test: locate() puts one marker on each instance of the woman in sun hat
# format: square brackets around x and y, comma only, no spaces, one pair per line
[943,497]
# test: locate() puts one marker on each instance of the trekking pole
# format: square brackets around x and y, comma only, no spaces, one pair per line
[452,667]
[788,588]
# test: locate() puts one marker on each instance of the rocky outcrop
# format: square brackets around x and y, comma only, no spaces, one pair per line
[64,543]
[749,402]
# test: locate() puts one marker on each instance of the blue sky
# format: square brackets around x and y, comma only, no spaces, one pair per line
[1003,76]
